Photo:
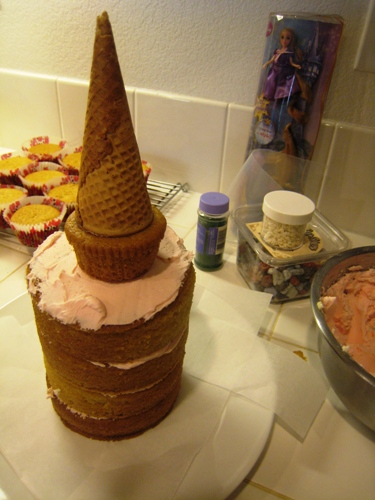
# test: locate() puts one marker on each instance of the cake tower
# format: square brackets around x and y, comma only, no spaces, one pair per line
[112,201]
[112,295]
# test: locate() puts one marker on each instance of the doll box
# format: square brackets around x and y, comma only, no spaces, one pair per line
[299,59]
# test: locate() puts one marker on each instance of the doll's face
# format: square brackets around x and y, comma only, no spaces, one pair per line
[286,38]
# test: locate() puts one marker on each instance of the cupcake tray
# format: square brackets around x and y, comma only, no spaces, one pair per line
[161,193]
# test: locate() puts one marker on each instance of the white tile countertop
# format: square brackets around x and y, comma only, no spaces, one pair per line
[337,457]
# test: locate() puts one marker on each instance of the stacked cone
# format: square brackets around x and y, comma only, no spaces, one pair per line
[114,230]
[111,165]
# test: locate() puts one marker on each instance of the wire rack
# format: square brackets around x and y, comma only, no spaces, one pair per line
[162,193]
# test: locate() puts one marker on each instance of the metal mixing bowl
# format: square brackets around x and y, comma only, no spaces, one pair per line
[352,383]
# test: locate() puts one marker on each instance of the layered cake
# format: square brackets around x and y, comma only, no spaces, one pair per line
[112,294]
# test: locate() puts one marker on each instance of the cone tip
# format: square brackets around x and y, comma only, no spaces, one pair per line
[103,24]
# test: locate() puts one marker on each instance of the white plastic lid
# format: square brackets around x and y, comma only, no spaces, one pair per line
[288,207]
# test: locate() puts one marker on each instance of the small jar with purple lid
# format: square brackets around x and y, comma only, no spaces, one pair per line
[212,225]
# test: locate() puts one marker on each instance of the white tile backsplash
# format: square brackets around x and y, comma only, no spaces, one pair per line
[237,134]
[72,96]
[182,137]
[29,107]
[198,141]
[348,193]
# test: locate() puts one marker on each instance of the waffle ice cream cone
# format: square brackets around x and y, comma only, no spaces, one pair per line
[113,198]
[114,230]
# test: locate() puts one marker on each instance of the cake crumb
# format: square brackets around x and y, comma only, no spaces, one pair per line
[300,354]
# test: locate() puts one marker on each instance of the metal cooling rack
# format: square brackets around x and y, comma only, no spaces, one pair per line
[162,193]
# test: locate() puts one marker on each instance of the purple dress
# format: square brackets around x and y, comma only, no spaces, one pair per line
[281,80]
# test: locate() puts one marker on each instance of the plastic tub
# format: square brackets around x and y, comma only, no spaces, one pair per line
[288,277]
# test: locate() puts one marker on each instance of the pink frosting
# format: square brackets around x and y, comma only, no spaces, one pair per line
[71,296]
[349,310]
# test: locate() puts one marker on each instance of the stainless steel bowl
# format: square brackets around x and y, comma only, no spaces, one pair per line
[352,383]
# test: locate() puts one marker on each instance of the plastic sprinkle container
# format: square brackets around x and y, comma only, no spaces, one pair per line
[285,218]
[211,231]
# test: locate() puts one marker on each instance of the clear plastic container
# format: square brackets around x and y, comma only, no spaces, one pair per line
[285,278]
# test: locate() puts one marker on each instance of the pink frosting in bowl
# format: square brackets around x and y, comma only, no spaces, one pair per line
[349,310]
[342,300]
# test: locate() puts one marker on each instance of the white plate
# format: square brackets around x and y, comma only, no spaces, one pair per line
[227,450]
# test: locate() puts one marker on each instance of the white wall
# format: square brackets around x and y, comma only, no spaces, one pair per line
[202,48]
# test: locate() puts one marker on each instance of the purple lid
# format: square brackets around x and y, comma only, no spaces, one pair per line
[214,203]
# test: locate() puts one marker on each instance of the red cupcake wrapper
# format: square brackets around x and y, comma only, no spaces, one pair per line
[44,139]
[146,169]
[3,206]
[33,235]
[37,189]
[68,179]
[72,170]
[11,176]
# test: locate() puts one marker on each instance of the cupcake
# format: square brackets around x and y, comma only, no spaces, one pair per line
[34,218]
[66,192]
[12,165]
[44,148]
[146,166]
[45,175]
[8,195]
[72,160]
